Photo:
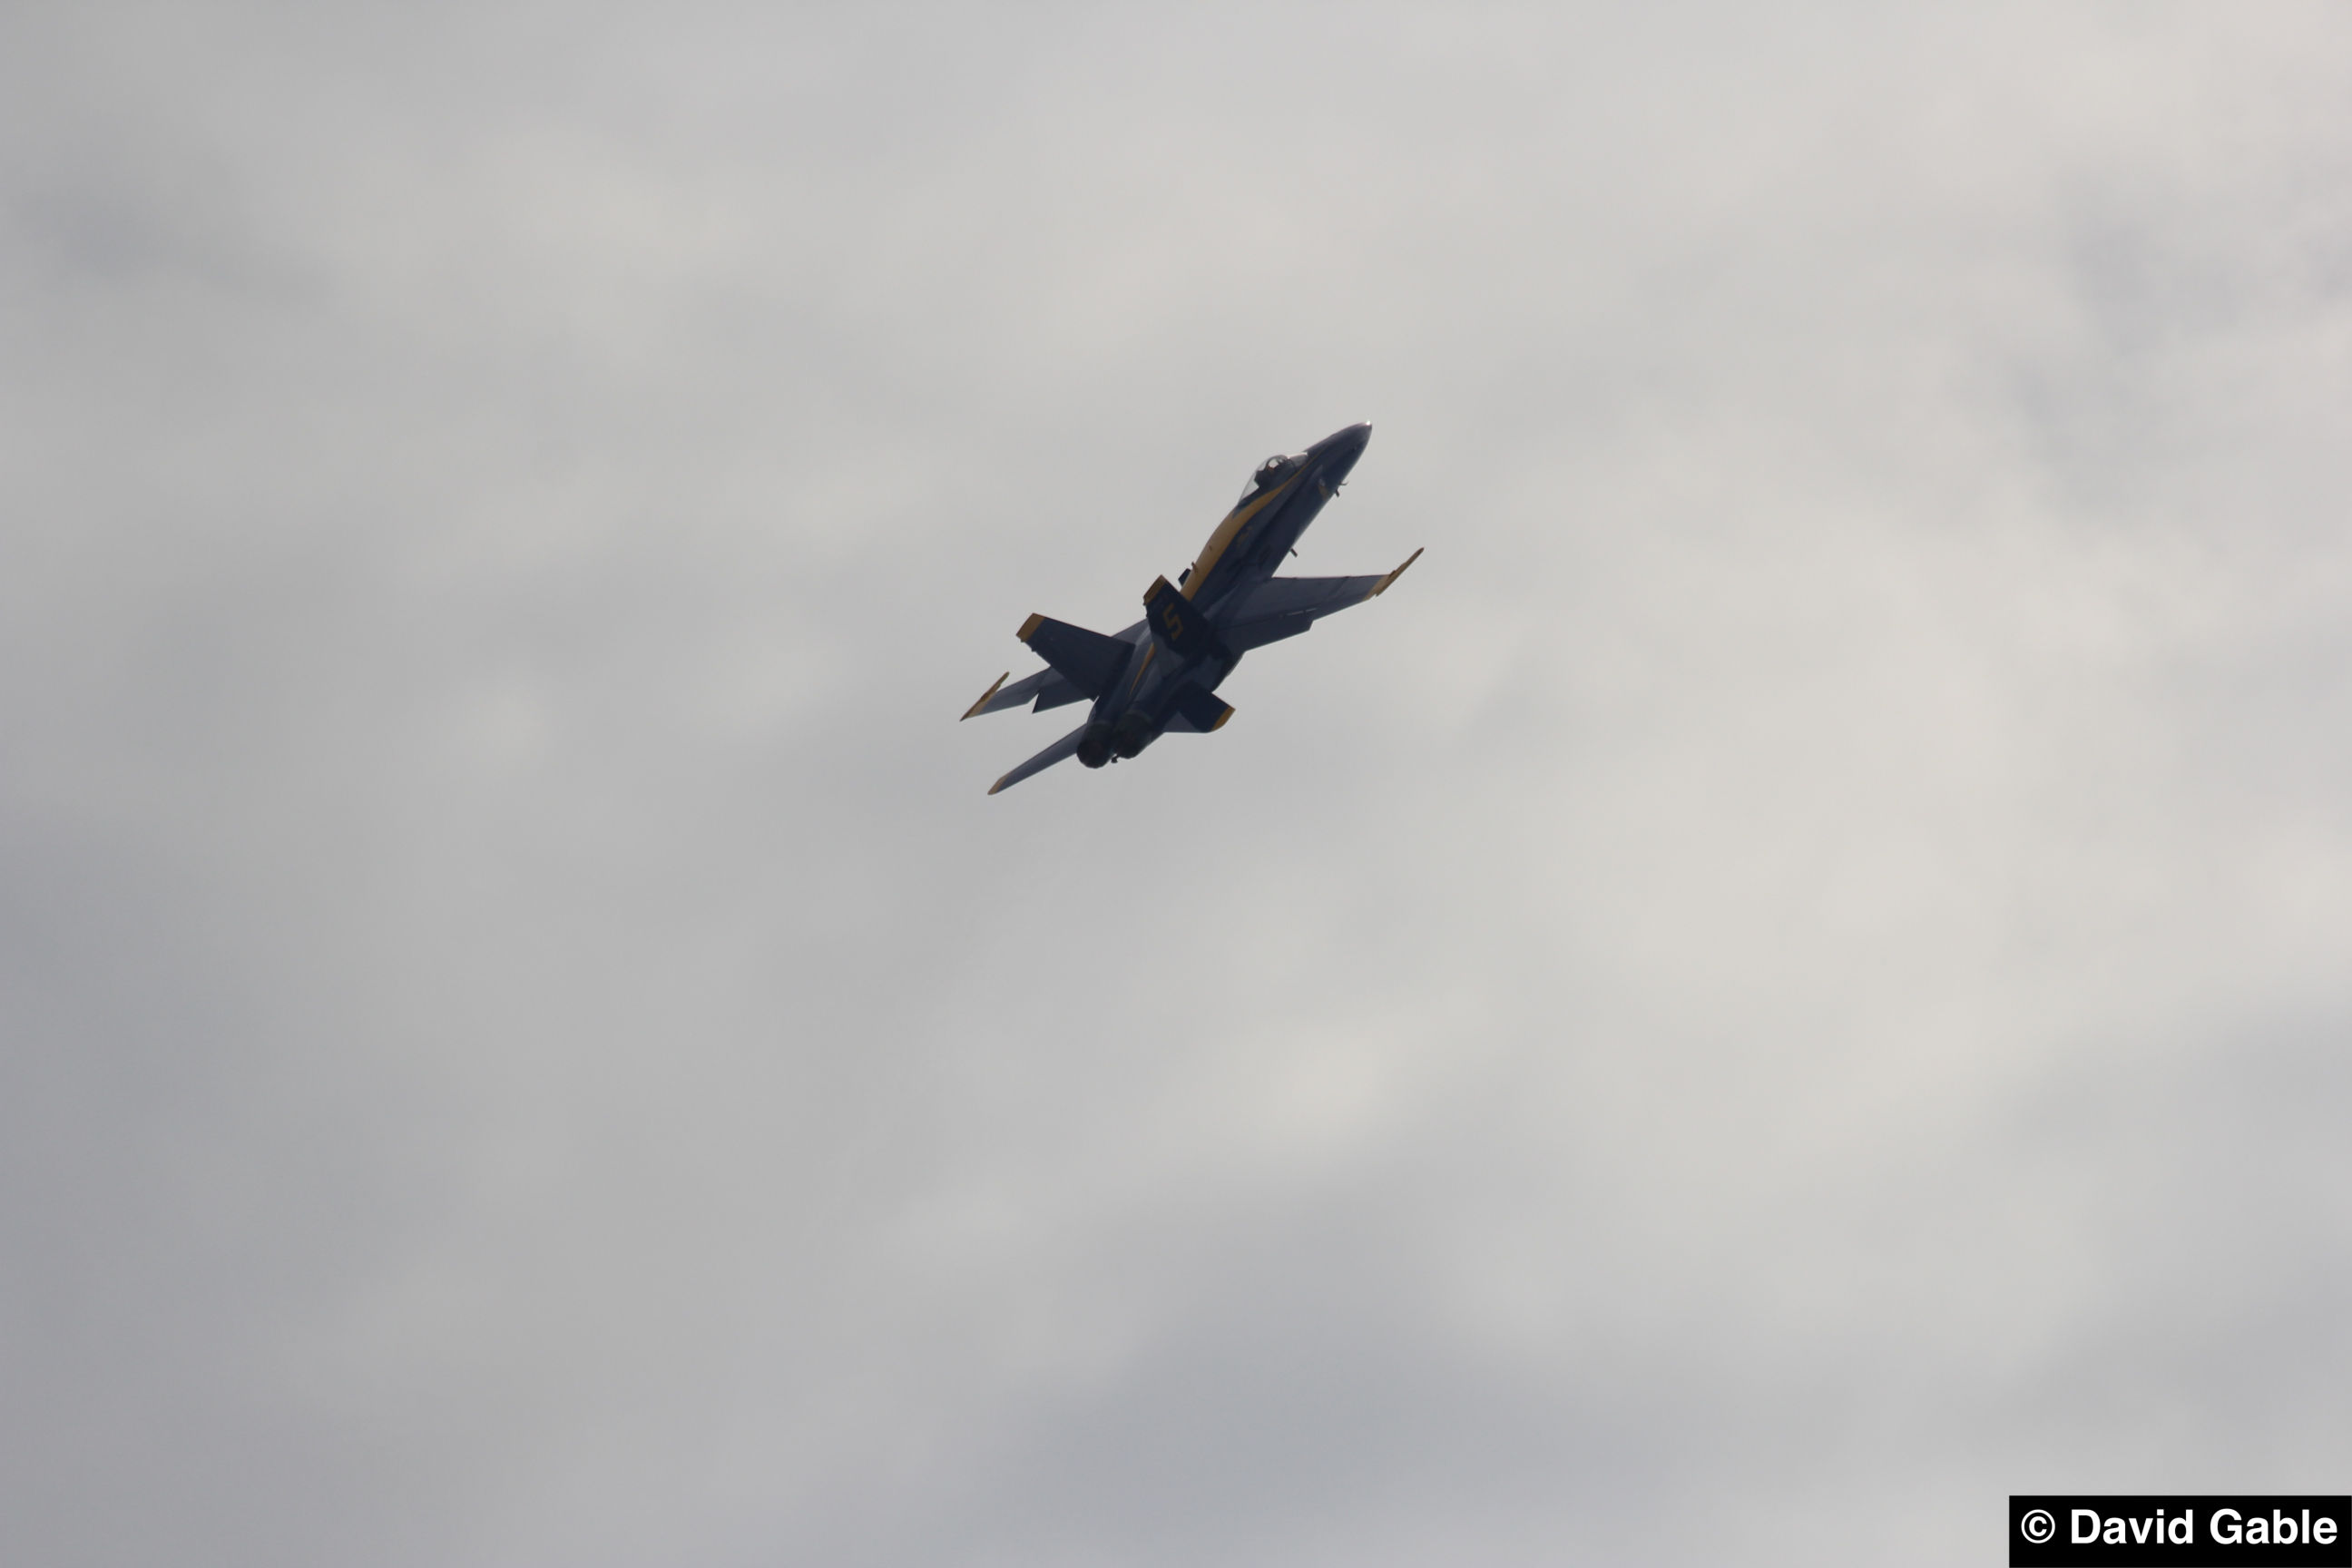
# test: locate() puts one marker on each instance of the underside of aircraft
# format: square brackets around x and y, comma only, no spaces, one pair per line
[1160,676]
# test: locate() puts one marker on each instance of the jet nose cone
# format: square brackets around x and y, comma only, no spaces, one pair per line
[1339,450]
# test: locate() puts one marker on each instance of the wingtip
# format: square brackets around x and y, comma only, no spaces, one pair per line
[1029,628]
[986,696]
[1382,586]
[997,786]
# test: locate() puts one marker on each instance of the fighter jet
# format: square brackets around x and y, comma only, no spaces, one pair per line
[1156,677]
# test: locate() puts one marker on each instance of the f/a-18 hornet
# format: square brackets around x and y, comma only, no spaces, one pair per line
[1156,676]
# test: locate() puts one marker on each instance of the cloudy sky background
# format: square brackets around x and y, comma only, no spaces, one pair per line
[1790,981]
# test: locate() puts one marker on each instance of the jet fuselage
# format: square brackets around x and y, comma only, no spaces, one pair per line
[1160,675]
[1285,495]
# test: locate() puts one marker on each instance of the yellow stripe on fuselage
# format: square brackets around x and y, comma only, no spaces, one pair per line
[1228,530]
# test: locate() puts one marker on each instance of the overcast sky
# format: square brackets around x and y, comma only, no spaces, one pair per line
[1792,980]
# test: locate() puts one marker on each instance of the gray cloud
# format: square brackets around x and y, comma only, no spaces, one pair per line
[1786,984]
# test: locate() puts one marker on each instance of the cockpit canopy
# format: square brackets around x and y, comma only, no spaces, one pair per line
[1272,472]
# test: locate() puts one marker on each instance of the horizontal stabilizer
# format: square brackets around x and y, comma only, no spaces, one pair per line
[1046,687]
[1066,746]
[1200,709]
[1087,661]
[1054,690]
[989,695]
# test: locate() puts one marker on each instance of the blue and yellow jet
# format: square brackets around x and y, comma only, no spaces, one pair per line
[1158,675]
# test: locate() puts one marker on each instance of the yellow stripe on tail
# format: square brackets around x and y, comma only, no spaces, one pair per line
[986,695]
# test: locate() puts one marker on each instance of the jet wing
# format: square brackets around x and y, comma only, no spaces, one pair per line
[1066,746]
[1284,606]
